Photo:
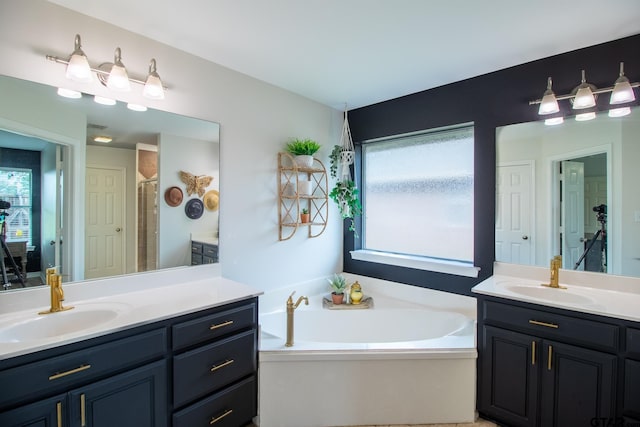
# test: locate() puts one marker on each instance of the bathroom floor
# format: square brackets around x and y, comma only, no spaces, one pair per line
[479,423]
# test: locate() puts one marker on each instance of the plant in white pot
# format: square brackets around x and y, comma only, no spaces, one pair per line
[303,150]
[338,285]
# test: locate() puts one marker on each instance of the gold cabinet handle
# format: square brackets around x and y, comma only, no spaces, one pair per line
[83,412]
[549,358]
[220,325]
[216,419]
[548,325]
[222,365]
[59,413]
[72,371]
[533,352]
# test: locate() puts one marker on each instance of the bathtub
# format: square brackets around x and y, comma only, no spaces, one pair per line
[411,359]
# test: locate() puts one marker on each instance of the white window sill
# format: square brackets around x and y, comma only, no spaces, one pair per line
[420,263]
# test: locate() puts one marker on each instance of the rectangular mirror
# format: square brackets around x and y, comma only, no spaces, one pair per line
[98,209]
[570,189]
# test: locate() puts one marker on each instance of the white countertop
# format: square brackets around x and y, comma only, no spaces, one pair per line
[594,293]
[138,299]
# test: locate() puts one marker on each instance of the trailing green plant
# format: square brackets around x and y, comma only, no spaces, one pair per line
[334,158]
[338,284]
[302,147]
[345,194]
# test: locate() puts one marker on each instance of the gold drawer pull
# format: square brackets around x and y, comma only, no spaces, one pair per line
[83,411]
[220,325]
[548,325]
[550,357]
[222,365]
[215,420]
[72,371]
[59,413]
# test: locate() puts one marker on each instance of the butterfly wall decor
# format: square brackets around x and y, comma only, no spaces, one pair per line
[195,184]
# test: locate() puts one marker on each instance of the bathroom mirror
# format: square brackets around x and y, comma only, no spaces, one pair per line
[570,189]
[144,159]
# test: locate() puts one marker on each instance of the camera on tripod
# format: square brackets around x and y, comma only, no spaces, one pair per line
[600,210]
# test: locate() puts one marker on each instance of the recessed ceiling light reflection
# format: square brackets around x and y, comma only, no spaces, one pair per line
[103,139]
[68,93]
[585,116]
[104,101]
[554,121]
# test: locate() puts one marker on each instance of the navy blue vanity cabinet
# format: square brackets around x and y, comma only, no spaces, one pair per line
[545,367]
[214,368]
[203,253]
[631,390]
[108,382]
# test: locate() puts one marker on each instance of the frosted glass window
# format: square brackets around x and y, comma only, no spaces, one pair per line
[418,194]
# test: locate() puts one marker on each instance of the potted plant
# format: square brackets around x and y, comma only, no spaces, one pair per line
[305,216]
[303,150]
[338,285]
[345,194]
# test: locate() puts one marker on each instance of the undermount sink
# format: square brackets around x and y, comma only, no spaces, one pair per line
[34,326]
[550,294]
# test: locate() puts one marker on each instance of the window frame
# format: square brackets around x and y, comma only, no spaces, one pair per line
[407,261]
[29,207]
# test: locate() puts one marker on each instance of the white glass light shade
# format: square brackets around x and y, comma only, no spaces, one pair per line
[622,90]
[78,68]
[153,88]
[104,101]
[68,93]
[584,96]
[118,78]
[549,103]
[554,121]
[620,112]
[585,116]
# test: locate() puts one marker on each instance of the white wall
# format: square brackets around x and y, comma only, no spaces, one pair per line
[256,120]
[121,158]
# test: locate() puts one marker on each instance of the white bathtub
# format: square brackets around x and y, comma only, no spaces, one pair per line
[405,361]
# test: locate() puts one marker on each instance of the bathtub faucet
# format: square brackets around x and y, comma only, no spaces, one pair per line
[290,309]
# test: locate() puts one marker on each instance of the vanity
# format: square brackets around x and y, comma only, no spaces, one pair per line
[558,357]
[173,348]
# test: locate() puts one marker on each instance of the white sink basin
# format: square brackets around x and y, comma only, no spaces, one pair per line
[34,326]
[568,296]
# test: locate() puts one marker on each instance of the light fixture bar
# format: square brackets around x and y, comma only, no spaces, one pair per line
[595,92]
[106,73]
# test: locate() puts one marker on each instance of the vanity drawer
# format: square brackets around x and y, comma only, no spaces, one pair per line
[213,326]
[556,326]
[58,373]
[210,250]
[206,369]
[231,407]
[633,342]
[196,247]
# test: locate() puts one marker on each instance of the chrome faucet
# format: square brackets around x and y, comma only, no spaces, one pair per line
[57,294]
[290,309]
[554,280]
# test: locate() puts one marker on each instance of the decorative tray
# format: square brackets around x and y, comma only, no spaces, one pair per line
[367,302]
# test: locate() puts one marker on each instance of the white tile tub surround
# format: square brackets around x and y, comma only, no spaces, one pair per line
[374,383]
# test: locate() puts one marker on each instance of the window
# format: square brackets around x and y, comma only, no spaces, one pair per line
[15,188]
[418,194]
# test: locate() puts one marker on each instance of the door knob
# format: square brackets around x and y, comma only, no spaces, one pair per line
[582,240]
[525,237]
[53,242]
[118,229]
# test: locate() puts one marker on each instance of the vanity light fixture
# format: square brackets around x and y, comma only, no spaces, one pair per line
[554,121]
[68,93]
[136,107]
[583,117]
[584,95]
[78,68]
[112,75]
[549,103]
[104,101]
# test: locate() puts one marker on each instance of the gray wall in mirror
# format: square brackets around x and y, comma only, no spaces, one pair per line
[182,143]
[532,224]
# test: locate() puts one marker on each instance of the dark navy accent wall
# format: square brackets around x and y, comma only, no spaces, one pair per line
[491,100]
[26,159]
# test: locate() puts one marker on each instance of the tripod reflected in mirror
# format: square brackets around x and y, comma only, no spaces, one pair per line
[4,205]
[601,217]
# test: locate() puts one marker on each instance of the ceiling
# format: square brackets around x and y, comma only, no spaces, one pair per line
[361,52]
